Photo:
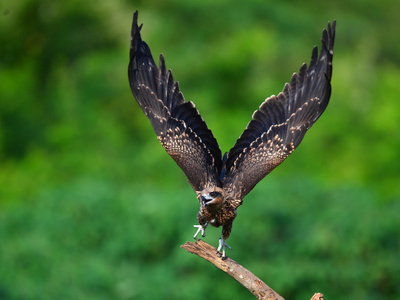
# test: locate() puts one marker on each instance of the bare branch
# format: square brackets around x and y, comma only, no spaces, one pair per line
[317,296]
[251,282]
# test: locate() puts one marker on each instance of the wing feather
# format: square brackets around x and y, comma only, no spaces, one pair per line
[177,123]
[281,122]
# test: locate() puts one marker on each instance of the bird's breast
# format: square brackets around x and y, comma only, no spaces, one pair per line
[218,217]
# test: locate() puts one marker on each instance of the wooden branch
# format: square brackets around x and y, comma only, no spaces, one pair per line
[251,282]
[317,296]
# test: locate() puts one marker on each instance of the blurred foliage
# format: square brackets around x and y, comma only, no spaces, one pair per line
[91,207]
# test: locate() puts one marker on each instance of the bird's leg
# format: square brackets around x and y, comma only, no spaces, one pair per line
[226,231]
[223,244]
[201,228]
[202,225]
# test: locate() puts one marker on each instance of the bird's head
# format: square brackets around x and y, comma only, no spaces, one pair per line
[213,196]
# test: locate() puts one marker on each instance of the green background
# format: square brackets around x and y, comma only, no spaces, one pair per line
[91,206]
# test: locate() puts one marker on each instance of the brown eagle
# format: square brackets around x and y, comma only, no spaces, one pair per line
[276,129]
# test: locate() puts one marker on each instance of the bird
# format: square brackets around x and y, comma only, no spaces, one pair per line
[273,133]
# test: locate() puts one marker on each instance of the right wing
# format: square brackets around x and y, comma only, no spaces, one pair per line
[177,124]
[281,122]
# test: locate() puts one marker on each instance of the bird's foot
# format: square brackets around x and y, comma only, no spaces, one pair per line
[223,244]
[200,228]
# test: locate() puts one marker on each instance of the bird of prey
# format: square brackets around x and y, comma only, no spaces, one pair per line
[275,130]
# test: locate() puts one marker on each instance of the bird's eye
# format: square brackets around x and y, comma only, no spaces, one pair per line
[214,194]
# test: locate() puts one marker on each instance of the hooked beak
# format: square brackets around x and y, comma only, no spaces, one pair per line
[205,200]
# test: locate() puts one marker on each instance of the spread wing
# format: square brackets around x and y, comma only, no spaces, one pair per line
[281,122]
[177,124]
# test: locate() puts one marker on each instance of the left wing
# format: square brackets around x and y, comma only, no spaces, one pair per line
[177,124]
[281,122]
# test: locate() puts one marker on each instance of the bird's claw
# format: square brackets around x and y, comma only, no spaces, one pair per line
[223,244]
[200,228]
